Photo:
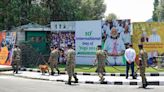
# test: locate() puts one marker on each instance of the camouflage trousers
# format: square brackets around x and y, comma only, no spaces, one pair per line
[101,70]
[53,65]
[15,66]
[142,74]
[70,70]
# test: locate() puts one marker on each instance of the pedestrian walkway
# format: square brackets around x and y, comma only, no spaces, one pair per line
[95,74]
[89,79]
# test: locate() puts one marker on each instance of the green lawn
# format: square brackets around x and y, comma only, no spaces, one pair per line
[109,69]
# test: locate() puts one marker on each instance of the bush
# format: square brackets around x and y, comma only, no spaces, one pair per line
[30,57]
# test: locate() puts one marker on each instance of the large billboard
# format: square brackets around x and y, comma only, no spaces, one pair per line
[7,40]
[151,36]
[87,37]
[116,35]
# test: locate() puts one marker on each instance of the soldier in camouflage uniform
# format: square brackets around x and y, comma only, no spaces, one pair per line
[53,60]
[101,58]
[16,58]
[142,65]
[70,64]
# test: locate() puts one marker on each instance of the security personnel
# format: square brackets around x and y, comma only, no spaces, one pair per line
[53,60]
[70,64]
[101,58]
[16,58]
[142,65]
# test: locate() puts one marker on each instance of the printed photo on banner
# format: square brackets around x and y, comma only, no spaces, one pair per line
[116,35]
[88,37]
[7,41]
[85,36]
[152,38]
[61,40]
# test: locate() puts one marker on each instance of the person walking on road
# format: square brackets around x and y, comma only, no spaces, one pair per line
[143,57]
[16,59]
[53,60]
[70,64]
[101,57]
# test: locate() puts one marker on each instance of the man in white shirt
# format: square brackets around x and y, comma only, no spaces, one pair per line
[130,56]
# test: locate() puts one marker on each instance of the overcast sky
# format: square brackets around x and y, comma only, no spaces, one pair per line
[136,10]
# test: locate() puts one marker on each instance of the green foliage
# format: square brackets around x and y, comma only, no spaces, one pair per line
[30,57]
[75,9]
[161,11]
[111,16]
[155,12]
[14,13]
[158,13]
[38,15]
[9,13]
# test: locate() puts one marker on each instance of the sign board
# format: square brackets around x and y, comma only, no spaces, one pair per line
[151,36]
[87,37]
[7,41]
[63,26]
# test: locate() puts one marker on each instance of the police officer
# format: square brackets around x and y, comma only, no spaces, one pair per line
[53,60]
[16,58]
[101,58]
[70,64]
[142,65]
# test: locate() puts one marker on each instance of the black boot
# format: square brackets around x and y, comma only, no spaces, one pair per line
[58,72]
[16,72]
[69,81]
[52,73]
[134,77]
[14,68]
[76,79]
[144,85]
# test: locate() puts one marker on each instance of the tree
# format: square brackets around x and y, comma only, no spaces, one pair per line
[161,11]
[15,13]
[74,9]
[19,12]
[9,13]
[111,16]
[38,15]
[155,12]
[92,9]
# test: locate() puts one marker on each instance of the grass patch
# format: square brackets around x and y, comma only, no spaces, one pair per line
[109,69]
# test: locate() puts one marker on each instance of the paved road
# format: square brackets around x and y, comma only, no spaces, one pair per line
[15,84]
